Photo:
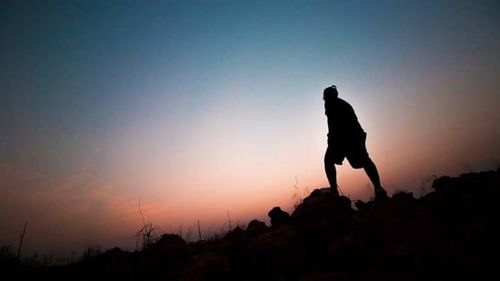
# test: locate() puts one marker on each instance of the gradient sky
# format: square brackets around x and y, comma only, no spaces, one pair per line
[197,109]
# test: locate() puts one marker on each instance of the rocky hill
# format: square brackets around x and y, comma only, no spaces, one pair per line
[449,234]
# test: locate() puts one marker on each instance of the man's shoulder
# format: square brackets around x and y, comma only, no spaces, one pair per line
[341,101]
[343,104]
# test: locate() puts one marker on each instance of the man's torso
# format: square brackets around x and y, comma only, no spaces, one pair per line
[343,125]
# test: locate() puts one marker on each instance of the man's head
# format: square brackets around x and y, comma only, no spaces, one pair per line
[330,93]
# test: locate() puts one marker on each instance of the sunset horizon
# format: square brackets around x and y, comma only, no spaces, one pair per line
[212,111]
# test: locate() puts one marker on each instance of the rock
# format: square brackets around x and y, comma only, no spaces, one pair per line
[278,216]
[170,244]
[322,216]
[256,227]
[276,252]
[165,257]
[235,234]
[232,241]
[321,204]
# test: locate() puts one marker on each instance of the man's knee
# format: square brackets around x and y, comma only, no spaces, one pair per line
[368,163]
[329,159]
[361,163]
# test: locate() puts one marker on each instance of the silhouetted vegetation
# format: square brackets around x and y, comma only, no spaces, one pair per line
[451,233]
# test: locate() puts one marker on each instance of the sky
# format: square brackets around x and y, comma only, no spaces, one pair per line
[212,111]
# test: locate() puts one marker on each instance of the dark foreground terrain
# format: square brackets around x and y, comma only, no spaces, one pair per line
[452,233]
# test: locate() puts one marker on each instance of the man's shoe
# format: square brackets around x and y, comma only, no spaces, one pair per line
[380,193]
[329,190]
[334,191]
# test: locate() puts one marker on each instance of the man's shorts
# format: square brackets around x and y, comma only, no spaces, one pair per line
[354,149]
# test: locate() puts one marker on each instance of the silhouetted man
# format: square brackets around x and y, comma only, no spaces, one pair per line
[346,139]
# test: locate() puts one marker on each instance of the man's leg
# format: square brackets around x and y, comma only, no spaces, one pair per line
[331,172]
[371,171]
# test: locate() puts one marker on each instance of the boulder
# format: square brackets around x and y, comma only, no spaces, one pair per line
[278,216]
[256,227]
